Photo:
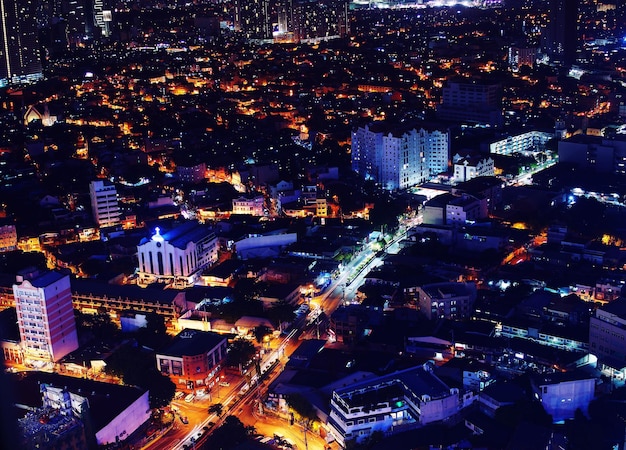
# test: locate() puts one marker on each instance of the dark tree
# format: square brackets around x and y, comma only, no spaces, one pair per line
[280,313]
[136,367]
[95,326]
[231,434]
[154,334]
[240,353]
[217,409]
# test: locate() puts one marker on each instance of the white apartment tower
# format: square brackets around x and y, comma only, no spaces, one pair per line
[399,158]
[104,204]
[45,316]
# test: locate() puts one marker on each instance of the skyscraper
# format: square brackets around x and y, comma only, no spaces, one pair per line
[45,316]
[20,58]
[252,18]
[560,37]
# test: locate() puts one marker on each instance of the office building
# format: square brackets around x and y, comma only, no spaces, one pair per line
[314,20]
[521,56]
[399,158]
[104,414]
[603,155]
[252,19]
[471,102]
[78,18]
[104,203]
[45,316]
[560,36]
[177,256]
[20,57]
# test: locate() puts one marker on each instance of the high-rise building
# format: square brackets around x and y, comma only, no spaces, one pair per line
[20,57]
[104,204]
[399,158]
[252,19]
[319,19]
[102,17]
[45,316]
[560,36]
[77,16]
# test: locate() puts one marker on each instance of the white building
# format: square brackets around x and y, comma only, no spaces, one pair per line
[525,143]
[392,403]
[45,316]
[399,158]
[252,206]
[467,168]
[104,203]
[178,255]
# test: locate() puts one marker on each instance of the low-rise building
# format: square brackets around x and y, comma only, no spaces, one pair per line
[114,411]
[446,300]
[562,393]
[392,403]
[253,206]
[194,358]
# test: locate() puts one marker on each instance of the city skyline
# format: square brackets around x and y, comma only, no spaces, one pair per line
[313,224]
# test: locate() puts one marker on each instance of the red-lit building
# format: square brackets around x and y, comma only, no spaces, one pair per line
[194,358]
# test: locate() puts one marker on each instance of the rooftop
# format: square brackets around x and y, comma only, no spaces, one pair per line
[418,380]
[106,401]
[193,343]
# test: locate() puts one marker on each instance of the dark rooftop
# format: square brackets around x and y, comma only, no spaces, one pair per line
[106,401]
[193,343]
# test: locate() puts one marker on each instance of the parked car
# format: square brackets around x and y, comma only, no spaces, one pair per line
[179,395]
[190,398]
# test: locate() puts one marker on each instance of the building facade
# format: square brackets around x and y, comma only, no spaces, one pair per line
[446,300]
[253,206]
[389,404]
[178,256]
[595,153]
[194,358]
[252,19]
[8,238]
[468,168]
[607,337]
[20,55]
[399,159]
[104,204]
[525,143]
[560,35]
[45,316]
[471,102]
